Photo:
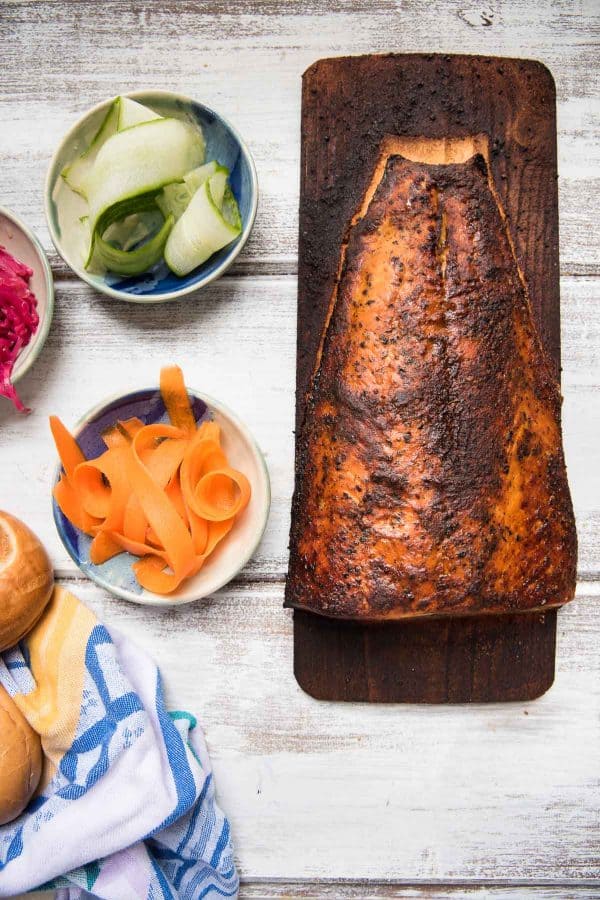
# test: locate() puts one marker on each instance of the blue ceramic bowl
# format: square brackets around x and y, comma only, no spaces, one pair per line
[64,208]
[116,575]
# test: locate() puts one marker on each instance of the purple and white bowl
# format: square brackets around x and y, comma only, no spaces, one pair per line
[116,575]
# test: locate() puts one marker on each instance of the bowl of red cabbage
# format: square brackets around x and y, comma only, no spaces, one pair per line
[150,196]
[26,304]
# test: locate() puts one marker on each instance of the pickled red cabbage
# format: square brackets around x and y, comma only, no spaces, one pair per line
[18,319]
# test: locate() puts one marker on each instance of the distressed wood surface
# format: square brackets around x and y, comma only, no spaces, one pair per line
[468,802]
[368,891]
[412,793]
[97,346]
[226,54]
[365,890]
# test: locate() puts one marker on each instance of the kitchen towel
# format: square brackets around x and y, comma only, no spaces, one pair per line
[126,805]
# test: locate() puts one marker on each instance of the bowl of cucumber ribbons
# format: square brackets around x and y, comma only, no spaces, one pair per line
[150,196]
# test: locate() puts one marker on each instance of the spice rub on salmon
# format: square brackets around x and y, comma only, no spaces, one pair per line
[430,471]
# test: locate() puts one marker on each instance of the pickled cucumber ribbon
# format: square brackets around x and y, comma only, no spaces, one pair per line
[128,173]
[140,165]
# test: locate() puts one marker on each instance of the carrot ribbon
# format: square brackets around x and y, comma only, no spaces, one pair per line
[164,493]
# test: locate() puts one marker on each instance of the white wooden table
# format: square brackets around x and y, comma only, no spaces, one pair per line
[326,800]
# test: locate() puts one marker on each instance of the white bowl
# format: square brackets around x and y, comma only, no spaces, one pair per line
[235,550]
[22,243]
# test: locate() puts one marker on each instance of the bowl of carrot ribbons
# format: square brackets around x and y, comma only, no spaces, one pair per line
[162,495]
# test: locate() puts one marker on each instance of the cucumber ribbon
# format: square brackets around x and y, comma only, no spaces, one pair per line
[150,194]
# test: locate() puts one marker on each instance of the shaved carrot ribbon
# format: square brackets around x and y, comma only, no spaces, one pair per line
[164,493]
[176,400]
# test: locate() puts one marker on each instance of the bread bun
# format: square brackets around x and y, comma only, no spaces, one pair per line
[20,760]
[26,580]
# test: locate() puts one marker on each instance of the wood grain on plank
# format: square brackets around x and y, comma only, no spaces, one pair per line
[336,890]
[365,791]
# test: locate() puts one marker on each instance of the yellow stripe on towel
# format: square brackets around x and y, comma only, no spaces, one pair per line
[57,646]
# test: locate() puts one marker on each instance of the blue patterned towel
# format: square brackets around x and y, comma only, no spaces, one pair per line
[126,805]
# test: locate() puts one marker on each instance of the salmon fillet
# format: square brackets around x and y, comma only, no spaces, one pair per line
[430,475]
